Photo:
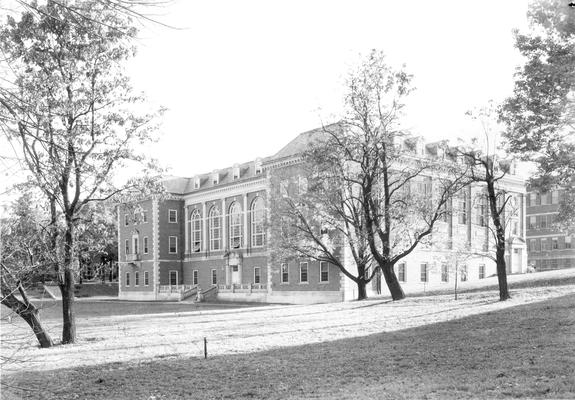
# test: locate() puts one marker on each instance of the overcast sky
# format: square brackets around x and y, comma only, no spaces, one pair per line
[243,78]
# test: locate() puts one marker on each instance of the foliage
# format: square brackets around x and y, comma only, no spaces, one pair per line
[540,116]
[72,112]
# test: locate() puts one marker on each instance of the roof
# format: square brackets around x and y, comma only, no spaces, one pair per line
[303,142]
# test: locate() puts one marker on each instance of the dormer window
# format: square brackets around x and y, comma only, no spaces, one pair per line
[197,182]
[236,171]
[215,178]
[259,169]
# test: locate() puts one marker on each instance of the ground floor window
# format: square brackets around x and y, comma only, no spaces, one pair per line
[214,277]
[444,273]
[136,278]
[257,276]
[463,273]
[195,277]
[146,278]
[127,279]
[284,273]
[401,275]
[323,272]
[481,271]
[173,278]
[423,272]
[303,272]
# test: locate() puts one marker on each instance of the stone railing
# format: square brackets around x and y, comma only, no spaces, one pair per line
[133,257]
[243,288]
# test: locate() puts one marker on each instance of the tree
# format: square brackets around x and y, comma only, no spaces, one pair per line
[489,166]
[370,184]
[24,257]
[71,111]
[540,116]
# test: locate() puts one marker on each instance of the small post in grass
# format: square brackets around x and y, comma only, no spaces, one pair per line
[205,348]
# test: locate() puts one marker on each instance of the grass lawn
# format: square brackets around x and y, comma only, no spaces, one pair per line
[525,351]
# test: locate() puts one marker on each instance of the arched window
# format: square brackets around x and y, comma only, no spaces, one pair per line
[196,231]
[258,215]
[215,229]
[235,226]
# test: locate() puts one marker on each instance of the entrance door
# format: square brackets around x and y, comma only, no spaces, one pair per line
[235,274]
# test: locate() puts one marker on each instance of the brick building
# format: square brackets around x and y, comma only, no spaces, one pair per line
[548,247]
[211,235]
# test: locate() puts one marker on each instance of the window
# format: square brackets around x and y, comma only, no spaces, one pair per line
[173,278]
[197,183]
[136,247]
[567,242]
[555,243]
[533,245]
[172,216]
[555,197]
[236,172]
[532,199]
[146,278]
[284,273]
[303,272]
[173,244]
[215,178]
[196,231]
[145,245]
[235,226]
[482,211]
[127,279]
[257,276]
[136,278]
[544,199]
[481,271]
[214,228]
[462,215]
[195,277]
[258,167]
[463,273]
[401,273]
[543,244]
[214,277]
[444,273]
[144,217]
[258,219]
[323,271]
[126,219]
[423,272]
[543,221]
[532,222]
[136,217]
[127,246]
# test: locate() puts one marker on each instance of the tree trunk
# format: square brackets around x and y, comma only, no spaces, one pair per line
[502,272]
[392,283]
[361,289]
[31,318]
[68,315]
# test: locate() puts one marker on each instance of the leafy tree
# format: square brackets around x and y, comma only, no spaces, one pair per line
[73,114]
[370,185]
[540,116]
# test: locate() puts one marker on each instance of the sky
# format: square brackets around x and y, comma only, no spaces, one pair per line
[242,78]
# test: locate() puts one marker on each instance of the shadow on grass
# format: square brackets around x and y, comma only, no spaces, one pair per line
[523,351]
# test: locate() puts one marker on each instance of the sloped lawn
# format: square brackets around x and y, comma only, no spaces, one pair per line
[525,351]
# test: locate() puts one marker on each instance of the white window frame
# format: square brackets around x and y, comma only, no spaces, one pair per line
[170,244]
[462,216]
[555,243]
[170,277]
[135,244]
[145,217]
[554,197]
[214,276]
[424,272]
[322,265]
[258,275]
[195,277]
[145,244]
[282,265]
[146,278]
[258,216]
[127,279]
[402,272]
[136,278]
[235,228]
[481,271]
[175,221]
[215,229]
[196,231]
[301,269]
[444,272]
[463,277]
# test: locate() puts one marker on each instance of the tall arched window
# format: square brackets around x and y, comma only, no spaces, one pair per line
[235,226]
[258,215]
[196,231]
[215,229]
